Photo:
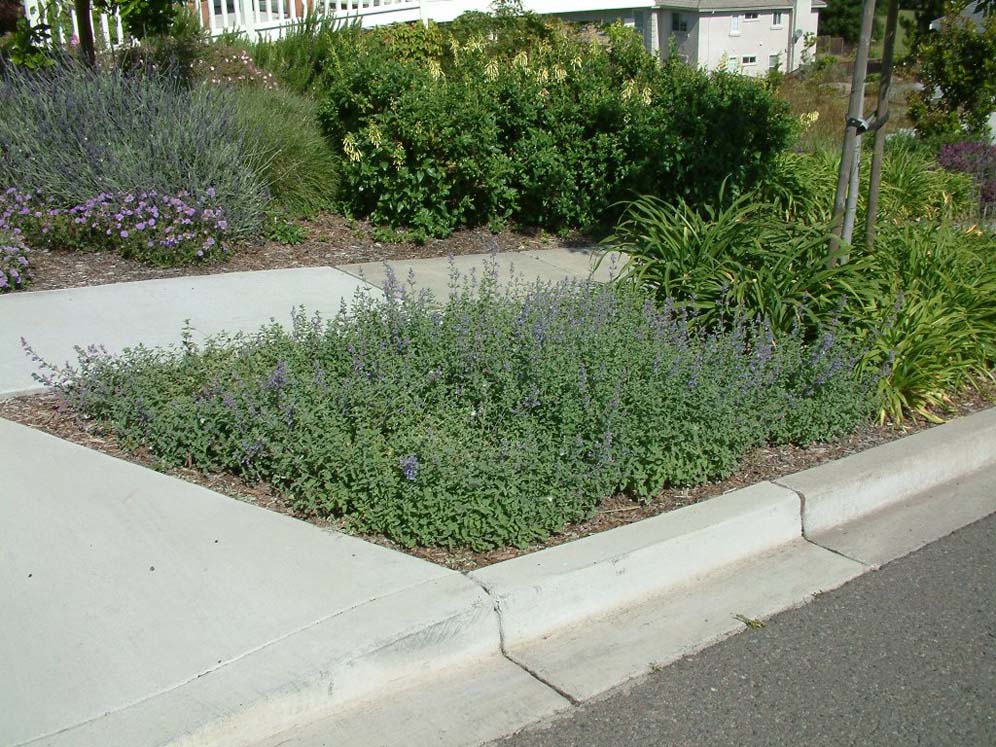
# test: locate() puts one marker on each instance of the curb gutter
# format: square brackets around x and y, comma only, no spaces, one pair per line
[848,489]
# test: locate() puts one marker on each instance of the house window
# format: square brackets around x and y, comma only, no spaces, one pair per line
[750,16]
[776,19]
[735,25]
[679,23]
[748,59]
[774,61]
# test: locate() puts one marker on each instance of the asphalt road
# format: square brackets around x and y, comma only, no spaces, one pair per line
[902,656]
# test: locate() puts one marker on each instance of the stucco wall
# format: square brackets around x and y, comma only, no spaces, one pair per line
[719,45]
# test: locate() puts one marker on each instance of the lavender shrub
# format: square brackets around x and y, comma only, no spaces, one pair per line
[73,133]
[494,419]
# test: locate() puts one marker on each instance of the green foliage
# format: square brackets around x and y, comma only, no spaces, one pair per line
[298,167]
[301,57]
[843,18]
[938,335]
[177,52]
[143,18]
[740,259]
[914,186]
[958,63]
[27,46]
[923,302]
[492,420]
[514,118]
[283,231]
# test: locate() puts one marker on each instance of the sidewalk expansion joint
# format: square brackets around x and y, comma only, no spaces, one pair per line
[209,670]
[496,606]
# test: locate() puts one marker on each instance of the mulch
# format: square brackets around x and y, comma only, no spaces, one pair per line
[44,412]
[330,240]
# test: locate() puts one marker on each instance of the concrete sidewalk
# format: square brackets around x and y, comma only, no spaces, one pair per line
[153,313]
[142,610]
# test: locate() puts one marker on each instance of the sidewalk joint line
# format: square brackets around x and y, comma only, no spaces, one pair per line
[214,668]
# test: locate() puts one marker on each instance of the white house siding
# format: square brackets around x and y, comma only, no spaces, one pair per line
[713,40]
[757,39]
[686,44]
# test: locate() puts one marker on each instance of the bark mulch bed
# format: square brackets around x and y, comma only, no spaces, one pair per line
[43,411]
[330,240]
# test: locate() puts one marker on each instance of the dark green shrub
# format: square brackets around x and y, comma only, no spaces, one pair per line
[515,118]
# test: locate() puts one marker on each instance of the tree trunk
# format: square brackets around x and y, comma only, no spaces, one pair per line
[84,21]
[854,114]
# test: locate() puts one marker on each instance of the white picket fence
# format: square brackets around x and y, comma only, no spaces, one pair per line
[253,18]
[266,18]
[62,21]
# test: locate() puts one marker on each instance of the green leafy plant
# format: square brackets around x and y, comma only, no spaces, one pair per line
[487,421]
[958,69]
[744,258]
[510,118]
[284,231]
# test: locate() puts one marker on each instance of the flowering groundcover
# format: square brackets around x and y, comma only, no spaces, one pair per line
[492,420]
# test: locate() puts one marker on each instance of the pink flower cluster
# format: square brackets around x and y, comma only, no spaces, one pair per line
[149,226]
[232,66]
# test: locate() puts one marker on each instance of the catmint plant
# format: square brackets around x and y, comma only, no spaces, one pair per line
[494,418]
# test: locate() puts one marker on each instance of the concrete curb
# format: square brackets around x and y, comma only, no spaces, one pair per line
[372,651]
[848,489]
[543,592]
[539,594]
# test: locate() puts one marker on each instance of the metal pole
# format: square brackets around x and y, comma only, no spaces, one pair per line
[881,115]
[853,189]
[853,125]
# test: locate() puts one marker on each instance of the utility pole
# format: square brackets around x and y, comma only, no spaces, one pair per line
[855,125]
[881,116]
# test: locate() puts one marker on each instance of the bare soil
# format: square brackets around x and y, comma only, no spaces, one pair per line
[330,240]
[45,412]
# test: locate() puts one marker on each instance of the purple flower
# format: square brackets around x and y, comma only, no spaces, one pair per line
[409,467]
